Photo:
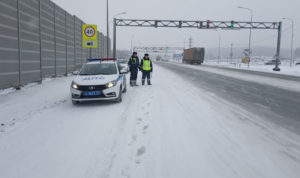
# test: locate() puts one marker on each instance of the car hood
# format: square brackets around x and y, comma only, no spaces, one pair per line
[94,79]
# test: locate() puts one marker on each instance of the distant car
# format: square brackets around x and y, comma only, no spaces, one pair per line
[298,64]
[99,79]
[272,62]
[124,64]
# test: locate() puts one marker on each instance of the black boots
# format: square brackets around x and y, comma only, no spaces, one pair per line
[133,83]
[148,82]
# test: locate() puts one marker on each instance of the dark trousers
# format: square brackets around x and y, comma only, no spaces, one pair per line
[133,74]
[146,74]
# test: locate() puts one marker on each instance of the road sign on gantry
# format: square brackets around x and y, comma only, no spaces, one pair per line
[89,36]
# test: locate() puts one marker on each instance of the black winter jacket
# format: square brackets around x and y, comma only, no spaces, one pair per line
[134,65]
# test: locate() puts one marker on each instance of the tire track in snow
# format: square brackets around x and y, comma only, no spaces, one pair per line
[137,146]
[107,165]
[145,114]
[115,152]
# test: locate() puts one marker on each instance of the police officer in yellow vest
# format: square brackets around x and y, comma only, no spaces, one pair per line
[133,66]
[146,67]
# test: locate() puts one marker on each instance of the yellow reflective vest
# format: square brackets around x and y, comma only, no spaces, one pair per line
[146,65]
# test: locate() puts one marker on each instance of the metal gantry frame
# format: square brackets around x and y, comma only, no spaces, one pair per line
[208,25]
[156,49]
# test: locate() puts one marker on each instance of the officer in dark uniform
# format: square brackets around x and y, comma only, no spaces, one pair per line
[133,66]
[146,67]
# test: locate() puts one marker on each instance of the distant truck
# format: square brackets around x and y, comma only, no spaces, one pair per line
[193,56]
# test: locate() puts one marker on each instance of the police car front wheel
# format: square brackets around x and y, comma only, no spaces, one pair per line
[119,99]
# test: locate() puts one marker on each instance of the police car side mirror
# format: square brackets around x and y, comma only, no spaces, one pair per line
[75,73]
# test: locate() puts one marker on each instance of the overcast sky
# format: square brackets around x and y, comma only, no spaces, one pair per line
[94,12]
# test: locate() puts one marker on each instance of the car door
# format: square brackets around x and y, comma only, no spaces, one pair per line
[121,75]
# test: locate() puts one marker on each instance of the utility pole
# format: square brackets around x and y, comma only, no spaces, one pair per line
[292,40]
[231,52]
[131,46]
[219,49]
[190,42]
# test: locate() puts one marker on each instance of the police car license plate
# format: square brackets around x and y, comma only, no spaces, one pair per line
[91,93]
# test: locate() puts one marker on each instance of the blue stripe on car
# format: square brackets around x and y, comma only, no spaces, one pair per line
[119,78]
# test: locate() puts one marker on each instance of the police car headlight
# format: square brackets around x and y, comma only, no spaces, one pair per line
[111,84]
[75,85]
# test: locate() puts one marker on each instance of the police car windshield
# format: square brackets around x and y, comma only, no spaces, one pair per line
[99,69]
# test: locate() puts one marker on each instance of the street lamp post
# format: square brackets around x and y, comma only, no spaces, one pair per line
[115,33]
[107,29]
[292,40]
[250,35]
[131,44]
[121,13]
[219,50]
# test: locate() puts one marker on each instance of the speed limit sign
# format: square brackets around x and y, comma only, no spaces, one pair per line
[89,36]
[89,31]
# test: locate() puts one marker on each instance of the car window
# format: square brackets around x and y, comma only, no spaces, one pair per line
[122,61]
[120,67]
[99,69]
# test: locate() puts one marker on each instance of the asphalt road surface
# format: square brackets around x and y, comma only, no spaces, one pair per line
[275,104]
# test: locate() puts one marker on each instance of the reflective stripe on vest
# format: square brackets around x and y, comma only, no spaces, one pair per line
[146,65]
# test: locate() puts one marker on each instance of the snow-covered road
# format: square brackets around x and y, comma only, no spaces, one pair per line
[172,129]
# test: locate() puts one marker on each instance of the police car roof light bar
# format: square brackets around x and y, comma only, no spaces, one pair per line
[94,60]
[108,59]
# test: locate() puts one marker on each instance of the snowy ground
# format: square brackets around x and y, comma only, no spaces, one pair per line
[172,129]
[258,66]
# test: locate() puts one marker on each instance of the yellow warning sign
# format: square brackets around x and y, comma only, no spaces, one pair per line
[89,36]
[245,60]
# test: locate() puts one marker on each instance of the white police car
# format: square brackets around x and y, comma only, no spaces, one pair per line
[99,79]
